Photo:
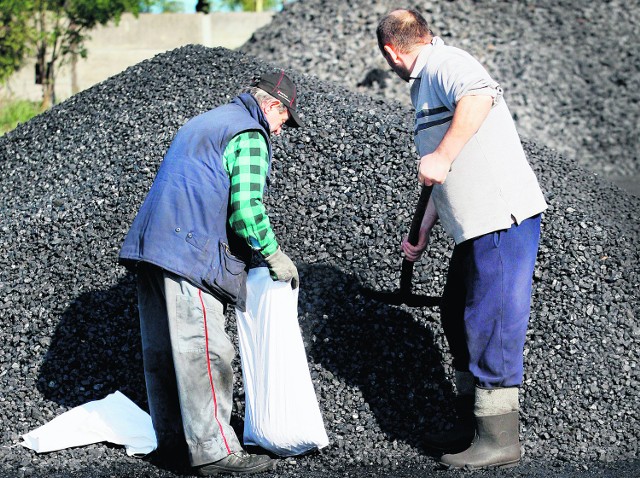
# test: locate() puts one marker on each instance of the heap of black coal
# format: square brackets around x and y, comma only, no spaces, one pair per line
[341,198]
[569,70]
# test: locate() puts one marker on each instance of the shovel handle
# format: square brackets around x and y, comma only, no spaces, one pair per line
[416,222]
[414,233]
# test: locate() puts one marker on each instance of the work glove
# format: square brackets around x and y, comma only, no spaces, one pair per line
[282,268]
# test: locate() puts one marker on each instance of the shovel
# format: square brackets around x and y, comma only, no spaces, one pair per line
[404,295]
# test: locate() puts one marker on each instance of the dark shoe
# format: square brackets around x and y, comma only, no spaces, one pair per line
[240,463]
[460,436]
[496,444]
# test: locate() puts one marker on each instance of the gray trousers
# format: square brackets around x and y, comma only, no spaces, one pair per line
[187,365]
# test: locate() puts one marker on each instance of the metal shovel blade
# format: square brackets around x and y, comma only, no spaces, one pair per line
[404,295]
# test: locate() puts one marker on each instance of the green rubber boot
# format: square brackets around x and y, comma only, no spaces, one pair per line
[496,442]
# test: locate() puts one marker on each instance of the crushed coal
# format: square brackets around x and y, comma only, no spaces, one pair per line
[570,70]
[342,195]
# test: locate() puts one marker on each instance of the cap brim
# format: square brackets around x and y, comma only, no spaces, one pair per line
[294,120]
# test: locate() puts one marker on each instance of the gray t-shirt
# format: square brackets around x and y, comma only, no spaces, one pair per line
[490,183]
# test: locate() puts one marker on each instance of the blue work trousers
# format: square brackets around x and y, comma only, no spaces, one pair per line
[487,300]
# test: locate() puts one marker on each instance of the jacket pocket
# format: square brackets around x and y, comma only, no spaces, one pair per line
[227,275]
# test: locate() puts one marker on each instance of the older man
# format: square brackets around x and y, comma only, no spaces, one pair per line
[488,199]
[191,244]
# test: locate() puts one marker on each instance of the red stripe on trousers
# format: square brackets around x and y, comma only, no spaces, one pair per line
[213,391]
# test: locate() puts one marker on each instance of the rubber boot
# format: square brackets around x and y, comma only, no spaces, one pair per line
[458,437]
[496,442]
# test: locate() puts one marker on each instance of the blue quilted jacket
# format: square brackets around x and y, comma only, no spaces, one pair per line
[182,225]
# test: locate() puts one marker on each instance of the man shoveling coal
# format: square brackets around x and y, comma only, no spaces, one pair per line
[487,198]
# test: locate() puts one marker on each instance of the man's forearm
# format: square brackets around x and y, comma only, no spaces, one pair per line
[430,217]
[470,113]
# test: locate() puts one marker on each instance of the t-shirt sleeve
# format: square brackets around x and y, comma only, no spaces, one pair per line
[461,75]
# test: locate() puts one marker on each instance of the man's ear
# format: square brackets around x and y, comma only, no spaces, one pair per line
[265,106]
[273,104]
[391,53]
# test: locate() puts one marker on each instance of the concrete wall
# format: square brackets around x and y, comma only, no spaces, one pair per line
[112,48]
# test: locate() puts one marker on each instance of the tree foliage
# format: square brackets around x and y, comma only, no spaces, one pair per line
[163,6]
[55,30]
[14,37]
[246,5]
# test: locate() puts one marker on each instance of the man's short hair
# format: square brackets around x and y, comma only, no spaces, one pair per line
[262,97]
[402,29]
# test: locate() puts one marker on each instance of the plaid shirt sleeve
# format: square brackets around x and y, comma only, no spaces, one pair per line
[246,161]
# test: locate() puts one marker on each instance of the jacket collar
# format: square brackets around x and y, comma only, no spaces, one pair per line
[249,102]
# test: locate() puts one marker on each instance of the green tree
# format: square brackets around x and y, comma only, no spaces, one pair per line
[164,6]
[14,37]
[55,31]
[247,5]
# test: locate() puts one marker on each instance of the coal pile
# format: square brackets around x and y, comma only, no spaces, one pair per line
[570,69]
[342,195]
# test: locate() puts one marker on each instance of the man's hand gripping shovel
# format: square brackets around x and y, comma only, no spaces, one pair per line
[404,295]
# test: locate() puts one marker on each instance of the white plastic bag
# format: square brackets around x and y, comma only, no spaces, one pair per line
[114,419]
[281,409]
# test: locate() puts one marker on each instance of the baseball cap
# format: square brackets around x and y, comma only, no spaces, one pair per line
[280,86]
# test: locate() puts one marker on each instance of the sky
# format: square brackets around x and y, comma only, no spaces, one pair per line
[189,5]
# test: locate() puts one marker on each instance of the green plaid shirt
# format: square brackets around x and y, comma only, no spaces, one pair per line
[246,161]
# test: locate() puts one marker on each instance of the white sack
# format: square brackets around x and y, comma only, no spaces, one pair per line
[114,419]
[281,410]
